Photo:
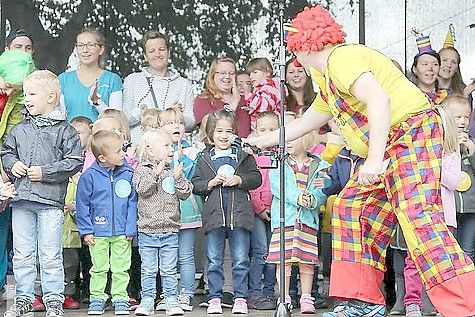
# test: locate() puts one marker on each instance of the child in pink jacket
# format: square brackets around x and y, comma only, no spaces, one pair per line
[261,291]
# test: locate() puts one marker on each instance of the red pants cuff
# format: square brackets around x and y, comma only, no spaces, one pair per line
[352,280]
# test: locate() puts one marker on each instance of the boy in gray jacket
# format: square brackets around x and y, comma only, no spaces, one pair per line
[39,155]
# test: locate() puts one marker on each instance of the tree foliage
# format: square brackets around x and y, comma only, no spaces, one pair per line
[199,30]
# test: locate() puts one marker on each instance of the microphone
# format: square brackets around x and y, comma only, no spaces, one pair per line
[237,141]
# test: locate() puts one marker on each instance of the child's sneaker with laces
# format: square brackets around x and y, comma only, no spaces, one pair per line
[21,308]
[240,306]
[146,307]
[96,307]
[306,304]
[214,306]
[173,307]
[357,308]
[121,307]
[185,302]
[413,310]
[54,308]
[161,305]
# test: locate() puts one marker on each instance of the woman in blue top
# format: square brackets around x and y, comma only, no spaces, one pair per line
[90,89]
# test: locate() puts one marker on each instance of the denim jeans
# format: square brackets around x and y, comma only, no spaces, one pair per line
[239,243]
[466,233]
[260,238]
[4,226]
[155,248]
[42,230]
[186,260]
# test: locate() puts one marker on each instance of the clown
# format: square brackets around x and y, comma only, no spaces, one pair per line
[387,120]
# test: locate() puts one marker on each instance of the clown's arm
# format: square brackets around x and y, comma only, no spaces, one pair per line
[367,89]
[310,120]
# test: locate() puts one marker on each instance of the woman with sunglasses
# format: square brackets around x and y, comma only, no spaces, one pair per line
[90,89]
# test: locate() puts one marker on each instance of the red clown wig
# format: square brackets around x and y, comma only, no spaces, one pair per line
[312,29]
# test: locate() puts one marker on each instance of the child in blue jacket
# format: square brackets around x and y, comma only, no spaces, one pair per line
[302,203]
[106,204]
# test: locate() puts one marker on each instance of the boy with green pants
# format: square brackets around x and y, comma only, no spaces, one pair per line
[106,215]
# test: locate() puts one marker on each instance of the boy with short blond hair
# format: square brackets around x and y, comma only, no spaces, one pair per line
[106,215]
[40,154]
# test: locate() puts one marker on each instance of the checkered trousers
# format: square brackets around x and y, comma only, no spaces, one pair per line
[364,217]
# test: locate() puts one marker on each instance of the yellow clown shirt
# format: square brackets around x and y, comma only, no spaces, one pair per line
[346,63]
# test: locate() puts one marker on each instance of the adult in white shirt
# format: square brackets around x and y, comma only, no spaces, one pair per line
[156,86]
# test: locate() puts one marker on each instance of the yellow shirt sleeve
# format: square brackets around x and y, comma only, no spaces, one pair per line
[320,106]
[345,65]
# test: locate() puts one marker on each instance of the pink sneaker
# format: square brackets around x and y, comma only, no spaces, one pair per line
[214,306]
[288,301]
[306,304]
[240,306]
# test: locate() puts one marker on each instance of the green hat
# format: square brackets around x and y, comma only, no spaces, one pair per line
[15,66]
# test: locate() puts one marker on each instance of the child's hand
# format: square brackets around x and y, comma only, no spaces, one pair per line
[306,200]
[465,140]
[19,169]
[463,137]
[178,171]
[319,183]
[129,238]
[89,239]
[216,181]
[131,151]
[143,108]
[232,180]
[69,207]
[178,105]
[265,215]
[35,174]
[159,168]
[8,190]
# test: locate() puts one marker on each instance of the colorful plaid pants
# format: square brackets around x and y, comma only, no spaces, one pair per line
[364,218]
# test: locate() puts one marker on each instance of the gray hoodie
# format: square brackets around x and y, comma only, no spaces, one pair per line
[168,91]
[51,143]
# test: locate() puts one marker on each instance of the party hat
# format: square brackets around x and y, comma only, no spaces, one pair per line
[450,38]
[423,42]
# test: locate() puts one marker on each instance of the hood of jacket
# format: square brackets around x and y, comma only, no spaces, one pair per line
[173,74]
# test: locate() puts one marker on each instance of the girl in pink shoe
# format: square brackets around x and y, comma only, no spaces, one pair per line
[303,201]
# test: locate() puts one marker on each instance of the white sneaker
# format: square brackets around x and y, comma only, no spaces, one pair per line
[185,302]
[161,306]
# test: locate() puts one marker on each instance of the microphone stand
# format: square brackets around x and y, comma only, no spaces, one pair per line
[283,310]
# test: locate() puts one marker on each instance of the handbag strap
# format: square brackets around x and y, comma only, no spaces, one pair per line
[150,81]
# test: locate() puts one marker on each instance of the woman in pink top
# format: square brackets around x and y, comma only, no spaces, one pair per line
[221,92]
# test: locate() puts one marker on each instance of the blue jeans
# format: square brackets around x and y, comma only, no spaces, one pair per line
[42,230]
[260,239]
[4,226]
[155,248]
[239,243]
[466,233]
[186,260]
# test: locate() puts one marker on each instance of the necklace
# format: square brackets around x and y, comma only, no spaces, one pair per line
[151,91]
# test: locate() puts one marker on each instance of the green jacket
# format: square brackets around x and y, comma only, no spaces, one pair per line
[71,238]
